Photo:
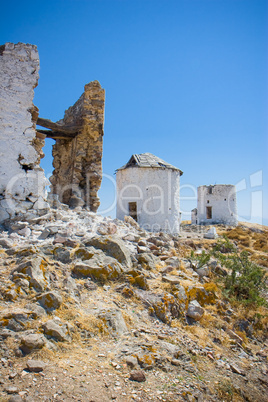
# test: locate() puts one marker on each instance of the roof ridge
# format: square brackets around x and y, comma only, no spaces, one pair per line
[148,160]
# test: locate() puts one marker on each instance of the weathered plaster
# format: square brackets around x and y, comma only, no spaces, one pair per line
[222,199]
[22,184]
[156,191]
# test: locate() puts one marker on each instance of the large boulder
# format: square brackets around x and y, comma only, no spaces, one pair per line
[171,279]
[113,321]
[32,342]
[35,366]
[180,294]
[211,234]
[173,262]
[203,294]
[15,319]
[50,300]
[163,306]
[137,278]
[35,270]
[113,247]
[148,261]
[99,267]
[195,311]
[85,253]
[56,330]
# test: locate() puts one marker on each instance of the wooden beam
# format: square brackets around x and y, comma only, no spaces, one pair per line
[56,135]
[56,127]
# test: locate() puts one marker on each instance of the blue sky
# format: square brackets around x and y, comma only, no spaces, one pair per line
[185,80]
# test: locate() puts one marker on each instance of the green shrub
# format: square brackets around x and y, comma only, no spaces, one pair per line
[245,280]
[199,260]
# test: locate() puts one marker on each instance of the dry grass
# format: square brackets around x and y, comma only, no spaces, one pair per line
[176,323]
[199,334]
[240,235]
[225,389]
[255,243]
[211,319]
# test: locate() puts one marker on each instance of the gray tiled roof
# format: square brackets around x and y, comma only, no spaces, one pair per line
[147,160]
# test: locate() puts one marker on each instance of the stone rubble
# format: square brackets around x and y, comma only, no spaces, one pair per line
[117,316]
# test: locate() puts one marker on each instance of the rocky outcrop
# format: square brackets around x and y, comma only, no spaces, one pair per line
[96,307]
[77,161]
[22,184]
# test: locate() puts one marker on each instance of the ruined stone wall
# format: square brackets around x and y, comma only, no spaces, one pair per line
[22,181]
[77,162]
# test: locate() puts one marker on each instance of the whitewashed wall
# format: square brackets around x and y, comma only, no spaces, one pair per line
[156,192]
[20,190]
[194,216]
[223,203]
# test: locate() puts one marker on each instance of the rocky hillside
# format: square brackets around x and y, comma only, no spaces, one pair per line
[95,309]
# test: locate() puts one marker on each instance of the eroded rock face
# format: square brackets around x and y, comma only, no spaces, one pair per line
[77,162]
[22,185]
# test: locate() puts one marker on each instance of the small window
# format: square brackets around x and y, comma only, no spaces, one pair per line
[132,208]
[207,201]
[210,190]
[224,199]
[209,212]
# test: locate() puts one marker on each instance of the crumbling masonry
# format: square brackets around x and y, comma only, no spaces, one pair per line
[22,181]
[77,162]
[77,152]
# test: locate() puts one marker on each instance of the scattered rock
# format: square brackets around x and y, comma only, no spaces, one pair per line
[35,366]
[99,267]
[56,330]
[128,219]
[211,233]
[11,390]
[147,261]
[62,254]
[163,306]
[114,321]
[136,278]
[15,398]
[138,376]
[32,342]
[174,262]
[5,243]
[195,311]
[236,369]
[113,247]
[132,361]
[172,279]
[35,269]
[50,300]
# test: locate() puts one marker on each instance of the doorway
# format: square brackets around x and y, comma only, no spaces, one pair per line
[132,208]
[209,212]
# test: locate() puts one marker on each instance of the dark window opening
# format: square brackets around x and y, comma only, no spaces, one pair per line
[209,212]
[26,167]
[132,207]
[207,201]
[224,199]
[210,190]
